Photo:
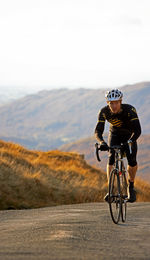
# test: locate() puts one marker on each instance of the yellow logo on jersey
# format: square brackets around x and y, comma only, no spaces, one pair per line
[115,122]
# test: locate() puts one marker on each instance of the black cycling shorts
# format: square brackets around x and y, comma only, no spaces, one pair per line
[115,139]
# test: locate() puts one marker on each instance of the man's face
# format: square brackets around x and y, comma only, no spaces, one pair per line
[114,106]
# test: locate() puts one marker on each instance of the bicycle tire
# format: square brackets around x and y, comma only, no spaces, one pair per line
[114,196]
[123,196]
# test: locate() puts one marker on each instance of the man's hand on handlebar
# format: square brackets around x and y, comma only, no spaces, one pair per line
[130,143]
[104,146]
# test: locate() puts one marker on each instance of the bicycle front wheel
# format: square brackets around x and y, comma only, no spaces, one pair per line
[114,196]
[123,184]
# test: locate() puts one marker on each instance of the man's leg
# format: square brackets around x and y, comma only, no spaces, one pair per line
[132,169]
[112,140]
[131,192]
[132,172]
[109,169]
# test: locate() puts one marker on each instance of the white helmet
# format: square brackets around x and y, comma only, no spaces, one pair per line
[113,95]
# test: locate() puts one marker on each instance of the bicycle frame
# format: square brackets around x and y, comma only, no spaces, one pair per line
[118,158]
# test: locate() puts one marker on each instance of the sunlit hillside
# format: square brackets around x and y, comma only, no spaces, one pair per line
[36,179]
[30,179]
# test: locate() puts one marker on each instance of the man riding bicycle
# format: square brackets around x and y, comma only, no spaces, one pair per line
[124,128]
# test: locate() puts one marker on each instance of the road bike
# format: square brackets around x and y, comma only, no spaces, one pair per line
[117,189]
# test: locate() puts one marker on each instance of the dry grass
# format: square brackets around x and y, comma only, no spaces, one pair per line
[143,190]
[35,179]
[31,179]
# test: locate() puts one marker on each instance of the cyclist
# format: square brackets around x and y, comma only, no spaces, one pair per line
[124,128]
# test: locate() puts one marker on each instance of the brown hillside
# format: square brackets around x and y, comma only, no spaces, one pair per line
[30,179]
[35,179]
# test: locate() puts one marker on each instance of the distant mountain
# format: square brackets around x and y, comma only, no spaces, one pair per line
[49,119]
[10,94]
[87,147]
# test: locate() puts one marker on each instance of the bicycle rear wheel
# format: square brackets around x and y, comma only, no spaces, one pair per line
[114,196]
[123,185]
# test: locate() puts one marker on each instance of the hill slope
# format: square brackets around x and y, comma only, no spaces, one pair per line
[30,179]
[51,118]
[35,179]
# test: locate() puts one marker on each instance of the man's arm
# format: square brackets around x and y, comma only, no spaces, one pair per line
[135,125]
[100,127]
[136,128]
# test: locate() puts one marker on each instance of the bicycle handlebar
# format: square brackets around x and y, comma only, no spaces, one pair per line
[97,152]
[98,148]
[130,148]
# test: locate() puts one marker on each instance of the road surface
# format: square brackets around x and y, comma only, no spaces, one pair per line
[81,231]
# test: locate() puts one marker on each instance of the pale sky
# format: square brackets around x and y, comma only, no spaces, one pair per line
[73,43]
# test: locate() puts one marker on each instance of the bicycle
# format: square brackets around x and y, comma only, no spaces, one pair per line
[118,197]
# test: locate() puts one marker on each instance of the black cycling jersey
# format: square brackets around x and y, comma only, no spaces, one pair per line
[126,122]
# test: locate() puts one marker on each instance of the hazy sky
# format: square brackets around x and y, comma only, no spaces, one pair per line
[74,42]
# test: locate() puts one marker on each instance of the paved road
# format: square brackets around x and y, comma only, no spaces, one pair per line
[83,231]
